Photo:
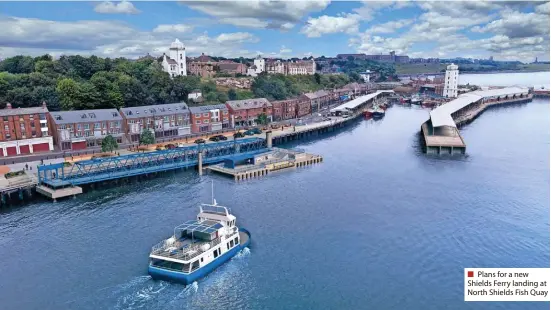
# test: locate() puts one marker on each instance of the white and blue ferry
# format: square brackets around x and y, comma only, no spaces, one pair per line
[199,246]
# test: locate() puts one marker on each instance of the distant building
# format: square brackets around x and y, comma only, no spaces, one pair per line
[246,112]
[77,130]
[365,76]
[175,63]
[251,71]
[232,68]
[259,63]
[318,99]
[165,120]
[195,96]
[275,66]
[203,66]
[450,81]
[24,131]
[209,118]
[301,67]
[391,57]
[285,109]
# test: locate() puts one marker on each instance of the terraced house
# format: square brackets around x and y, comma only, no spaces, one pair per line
[209,118]
[165,120]
[285,109]
[246,112]
[318,99]
[78,130]
[24,131]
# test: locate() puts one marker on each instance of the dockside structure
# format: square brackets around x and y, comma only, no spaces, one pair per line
[440,132]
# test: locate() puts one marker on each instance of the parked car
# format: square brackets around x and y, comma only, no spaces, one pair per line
[238,134]
[170,146]
[159,148]
[256,131]
[249,132]
[222,137]
[214,138]
[198,141]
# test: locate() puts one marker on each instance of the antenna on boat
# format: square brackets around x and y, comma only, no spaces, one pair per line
[212,193]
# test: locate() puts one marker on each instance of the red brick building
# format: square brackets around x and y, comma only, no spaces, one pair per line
[77,130]
[232,68]
[285,109]
[209,118]
[303,107]
[166,120]
[246,112]
[24,131]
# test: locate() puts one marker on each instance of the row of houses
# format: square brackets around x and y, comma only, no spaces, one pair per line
[32,130]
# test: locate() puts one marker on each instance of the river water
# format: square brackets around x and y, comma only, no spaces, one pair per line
[377,225]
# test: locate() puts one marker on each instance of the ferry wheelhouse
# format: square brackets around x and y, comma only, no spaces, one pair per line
[199,246]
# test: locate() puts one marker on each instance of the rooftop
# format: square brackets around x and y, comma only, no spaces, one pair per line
[316,94]
[441,116]
[248,103]
[23,111]
[85,116]
[206,108]
[208,227]
[350,105]
[156,110]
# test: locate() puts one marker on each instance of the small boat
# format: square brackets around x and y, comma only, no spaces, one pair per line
[378,113]
[369,113]
[199,246]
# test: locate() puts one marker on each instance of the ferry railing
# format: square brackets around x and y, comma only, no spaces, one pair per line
[160,248]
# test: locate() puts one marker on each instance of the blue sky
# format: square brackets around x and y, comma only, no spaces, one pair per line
[505,30]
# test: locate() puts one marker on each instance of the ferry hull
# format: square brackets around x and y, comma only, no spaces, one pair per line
[188,278]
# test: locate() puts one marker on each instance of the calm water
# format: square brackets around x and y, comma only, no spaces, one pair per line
[377,225]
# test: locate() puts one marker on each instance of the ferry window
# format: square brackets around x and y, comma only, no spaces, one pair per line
[195,265]
[231,244]
[236,240]
[215,253]
[201,259]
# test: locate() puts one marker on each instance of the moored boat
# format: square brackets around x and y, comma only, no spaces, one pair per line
[378,113]
[199,246]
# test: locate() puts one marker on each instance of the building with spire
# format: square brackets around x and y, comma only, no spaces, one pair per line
[175,63]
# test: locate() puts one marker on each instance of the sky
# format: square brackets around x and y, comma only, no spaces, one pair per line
[506,30]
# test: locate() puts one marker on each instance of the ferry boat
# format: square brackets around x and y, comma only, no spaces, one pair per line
[199,246]
[369,113]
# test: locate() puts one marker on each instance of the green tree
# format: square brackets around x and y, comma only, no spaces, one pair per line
[262,119]
[109,144]
[147,137]
[317,77]
[68,91]
[232,94]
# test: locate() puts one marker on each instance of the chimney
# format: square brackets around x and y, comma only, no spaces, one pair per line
[8,105]
[44,104]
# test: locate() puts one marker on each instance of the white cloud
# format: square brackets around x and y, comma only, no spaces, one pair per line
[107,39]
[259,13]
[175,28]
[390,27]
[236,37]
[518,25]
[123,7]
[285,50]
[316,27]
[543,8]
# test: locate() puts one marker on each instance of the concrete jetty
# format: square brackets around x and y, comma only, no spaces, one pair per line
[243,168]
[440,132]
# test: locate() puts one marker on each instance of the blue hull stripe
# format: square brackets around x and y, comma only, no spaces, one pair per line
[188,278]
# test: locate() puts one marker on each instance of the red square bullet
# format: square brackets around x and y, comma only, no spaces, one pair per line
[470,274]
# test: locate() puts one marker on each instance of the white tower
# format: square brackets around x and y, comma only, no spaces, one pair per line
[177,52]
[450,81]
[260,64]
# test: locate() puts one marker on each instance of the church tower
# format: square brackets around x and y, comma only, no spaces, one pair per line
[177,52]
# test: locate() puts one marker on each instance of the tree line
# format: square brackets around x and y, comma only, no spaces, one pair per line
[76,83]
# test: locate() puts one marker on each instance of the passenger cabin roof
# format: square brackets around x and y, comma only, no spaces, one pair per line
[208,227]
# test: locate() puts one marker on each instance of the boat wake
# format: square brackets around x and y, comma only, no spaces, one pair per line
[243,253]
[187,291]
[143,297]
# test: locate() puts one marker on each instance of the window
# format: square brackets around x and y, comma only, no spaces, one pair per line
[235,240]
[225,112]
[201,259]
[79,126]
[197,122]
[205,114]
[97,126]
[32,124]
[6,128]
[180,56]
[215,253]
[5,118]
[198,115]
[86,126]
[231,243]
[206,121]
